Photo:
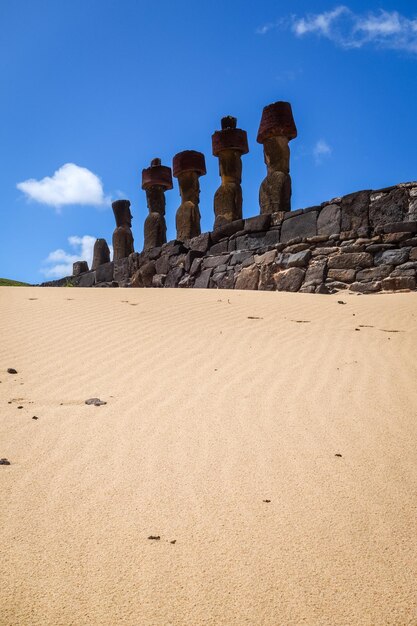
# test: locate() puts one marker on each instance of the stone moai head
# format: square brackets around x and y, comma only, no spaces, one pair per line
[122,213]
[156,179]
[101,254]
[228,145]
[276,130]
[188,166]
[122,235]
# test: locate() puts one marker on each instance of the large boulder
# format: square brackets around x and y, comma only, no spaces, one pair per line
[289,280]
[354,209]
[248,278]
[350,260]
[389,207]
[300,226]
[328,221]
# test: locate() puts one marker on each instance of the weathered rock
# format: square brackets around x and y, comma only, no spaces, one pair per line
[395,237]
[400,227]
[399,283]
[354,209]
[162,265]
[325,251]
[202,281]
[79,267]
[392,257]
[266,277]
[267,257]
[413,254]
[299,259]
[144,276]
[173,277]
[220,247]
[289,280]
[227,230]
[121,270]
[104,273]
[213,261]
[328,221]
[370,287]
[350,260]
[374,273]
[226,281]
[258,223]
[158,280]
[201,242]
[229,144]
[186,281]
[248,278]
[195,266]
[389,207]
[316,272]
[298,247]
[101,253]
[345,276]
[238,257]
[191,255]
[304,225]
[122,235]
[87,280]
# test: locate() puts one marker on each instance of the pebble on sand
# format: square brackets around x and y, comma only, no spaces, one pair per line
[95,401]
[11,370]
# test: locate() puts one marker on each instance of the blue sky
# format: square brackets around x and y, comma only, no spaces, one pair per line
[107,85]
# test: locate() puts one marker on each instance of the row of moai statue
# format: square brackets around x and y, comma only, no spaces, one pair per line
[276,130]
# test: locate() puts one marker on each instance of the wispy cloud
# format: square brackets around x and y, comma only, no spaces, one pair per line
[59,262]
[70,184]
[345,28]
[321,150]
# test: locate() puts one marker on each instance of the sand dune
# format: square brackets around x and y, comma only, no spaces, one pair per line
[217,401]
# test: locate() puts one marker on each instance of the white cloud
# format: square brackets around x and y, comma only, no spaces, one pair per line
[321,150]
[70,184]
[383,29]
[59,262]
[320,23]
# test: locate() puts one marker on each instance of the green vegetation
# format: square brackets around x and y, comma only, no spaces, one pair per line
[6,282]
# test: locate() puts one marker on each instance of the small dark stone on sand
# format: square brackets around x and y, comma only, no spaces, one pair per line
[20,407]
[341,302]
[173,541]
[337,454]
[4,462]
[266,500]
[95,401]
[11,370]
[357,328]
[9,402]
[154,537]
[35,417]
[252,317]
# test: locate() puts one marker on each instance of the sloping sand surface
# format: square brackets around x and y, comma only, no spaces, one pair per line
[225,412]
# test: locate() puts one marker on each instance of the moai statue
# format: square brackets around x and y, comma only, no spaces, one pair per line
[188,166]
[101,254]
[229,144]
[276,129]
[156,179]
[122,235]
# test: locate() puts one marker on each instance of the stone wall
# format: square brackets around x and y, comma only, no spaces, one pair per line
[365,242]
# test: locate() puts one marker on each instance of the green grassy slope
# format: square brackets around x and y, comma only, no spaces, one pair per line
[6,282]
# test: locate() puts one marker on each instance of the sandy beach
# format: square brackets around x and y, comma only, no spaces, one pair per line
[267,439]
